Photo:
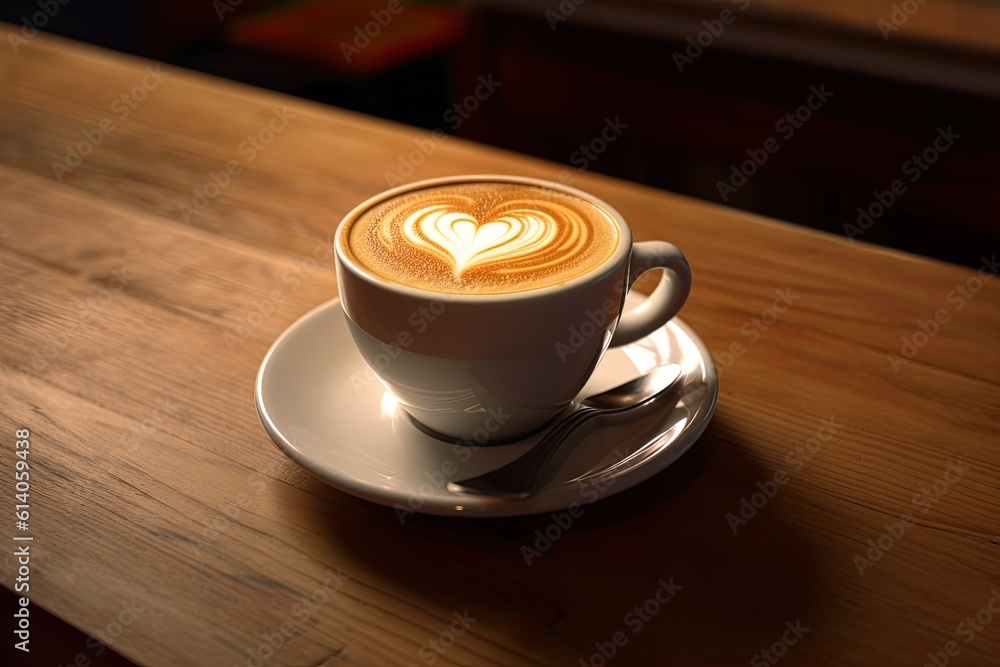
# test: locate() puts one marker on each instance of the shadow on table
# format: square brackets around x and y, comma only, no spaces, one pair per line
[560,585]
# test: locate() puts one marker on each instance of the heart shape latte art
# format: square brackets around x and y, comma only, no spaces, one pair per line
[464,242]
[483,238]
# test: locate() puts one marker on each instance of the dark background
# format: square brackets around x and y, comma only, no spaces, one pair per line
[563,80]
[565,74]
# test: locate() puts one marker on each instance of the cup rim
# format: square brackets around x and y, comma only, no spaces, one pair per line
[607,267]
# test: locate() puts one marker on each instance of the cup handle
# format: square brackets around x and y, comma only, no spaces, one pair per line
[665,301]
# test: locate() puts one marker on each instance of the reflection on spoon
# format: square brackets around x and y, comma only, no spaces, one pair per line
[520,478]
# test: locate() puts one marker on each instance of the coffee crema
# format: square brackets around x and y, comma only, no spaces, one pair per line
[484,237]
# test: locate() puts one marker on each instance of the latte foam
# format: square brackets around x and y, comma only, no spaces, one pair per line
[482,238]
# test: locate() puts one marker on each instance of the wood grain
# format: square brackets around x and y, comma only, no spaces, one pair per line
[154,484]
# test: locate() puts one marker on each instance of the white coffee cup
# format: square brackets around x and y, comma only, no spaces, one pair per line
[488,368]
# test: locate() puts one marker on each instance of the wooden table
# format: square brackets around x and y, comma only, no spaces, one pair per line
[137,301]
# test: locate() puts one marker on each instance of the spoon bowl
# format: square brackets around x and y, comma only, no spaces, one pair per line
[520,478]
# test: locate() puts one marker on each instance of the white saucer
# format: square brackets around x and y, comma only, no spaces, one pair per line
[318,405]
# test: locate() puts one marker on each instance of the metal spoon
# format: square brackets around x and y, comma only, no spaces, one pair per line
[520,477]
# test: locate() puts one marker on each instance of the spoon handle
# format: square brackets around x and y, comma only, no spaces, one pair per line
[519,477]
